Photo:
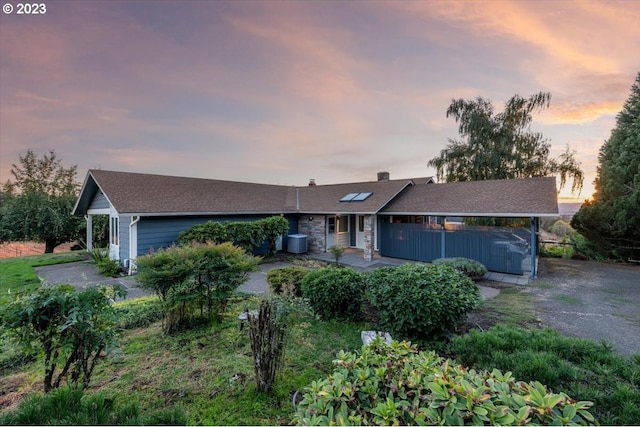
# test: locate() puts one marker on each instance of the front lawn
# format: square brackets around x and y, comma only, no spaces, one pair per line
[207,372]
[18,274]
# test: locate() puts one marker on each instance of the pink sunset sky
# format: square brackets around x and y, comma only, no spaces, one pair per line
[280,92]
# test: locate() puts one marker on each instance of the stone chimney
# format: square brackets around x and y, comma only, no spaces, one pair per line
[383,176]
[312,182]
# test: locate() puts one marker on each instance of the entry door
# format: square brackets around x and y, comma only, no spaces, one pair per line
[331,231]
[360,232]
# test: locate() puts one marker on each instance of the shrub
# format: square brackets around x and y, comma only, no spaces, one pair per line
[139,312]
[585,369]
[72,328]
[421,300]
[249,235]
[336,252]
[562,229]
[554,250]
[334,293]
[267,332]
[105,265]
[194,280]
[287,281]
[471,268]
[397,385]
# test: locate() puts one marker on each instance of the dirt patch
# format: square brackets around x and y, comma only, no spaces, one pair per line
[13,388]
[594,300]
[17,249]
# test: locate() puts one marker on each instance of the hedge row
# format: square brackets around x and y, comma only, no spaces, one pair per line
[413,300]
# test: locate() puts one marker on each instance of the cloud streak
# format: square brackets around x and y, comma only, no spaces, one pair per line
[253,90]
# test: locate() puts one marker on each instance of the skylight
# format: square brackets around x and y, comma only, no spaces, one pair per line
[355,197]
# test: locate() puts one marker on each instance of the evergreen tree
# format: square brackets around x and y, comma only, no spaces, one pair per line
[611,219]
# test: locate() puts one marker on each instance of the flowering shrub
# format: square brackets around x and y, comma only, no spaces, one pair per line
[397,385]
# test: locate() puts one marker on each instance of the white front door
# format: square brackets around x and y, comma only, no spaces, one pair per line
[360,231]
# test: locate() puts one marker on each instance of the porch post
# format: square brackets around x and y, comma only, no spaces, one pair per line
[89,233]
[369,236]
[534,248]
[443,245]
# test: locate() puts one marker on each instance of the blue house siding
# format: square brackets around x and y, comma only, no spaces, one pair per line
[123,248]
[162,232]
[99,202]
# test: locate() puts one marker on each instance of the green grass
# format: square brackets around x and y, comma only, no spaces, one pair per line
[18,274]
[208,371]
[581,368]
[513,306]
[568,299]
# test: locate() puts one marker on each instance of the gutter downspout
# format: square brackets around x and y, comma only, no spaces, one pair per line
[134,221]
[534,247]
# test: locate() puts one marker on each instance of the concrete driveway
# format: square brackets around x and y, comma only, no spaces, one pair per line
[84,274]
[586,299]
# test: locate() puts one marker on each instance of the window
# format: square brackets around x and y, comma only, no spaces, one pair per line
[361,223]
[349,197]
[331,221]
[343,224]
[355,197]
[114,230]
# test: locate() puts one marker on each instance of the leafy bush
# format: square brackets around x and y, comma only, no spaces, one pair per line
[72,328]
[13,357]
[334,293]
[553,250]
[249,235]
[287,281]
[471,268]
[587,249]
[139,312]
[336,252]
[421,300]
[105,265]
[397,385]
[585,369]
[194,280]
[69,406]
[562,229]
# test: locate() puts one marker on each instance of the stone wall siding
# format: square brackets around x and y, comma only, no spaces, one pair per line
[369,236]
[315,229]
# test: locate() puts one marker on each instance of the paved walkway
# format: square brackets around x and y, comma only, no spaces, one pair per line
[84,274]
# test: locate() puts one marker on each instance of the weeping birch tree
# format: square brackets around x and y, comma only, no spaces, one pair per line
[502,145]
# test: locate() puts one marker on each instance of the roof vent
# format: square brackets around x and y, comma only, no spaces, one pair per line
[312,182]
[383,176]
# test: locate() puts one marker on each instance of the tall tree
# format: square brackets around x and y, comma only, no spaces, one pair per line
[611,219]
[502,145]
[37,205]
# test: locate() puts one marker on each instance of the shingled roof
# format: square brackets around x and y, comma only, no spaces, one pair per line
[326,198]
[506,198]
[136,193]
[146,194]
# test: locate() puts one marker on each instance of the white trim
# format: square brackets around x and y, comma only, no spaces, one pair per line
[133,243]
[103,211]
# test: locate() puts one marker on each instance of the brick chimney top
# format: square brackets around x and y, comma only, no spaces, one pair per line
[312,182]
[383,176]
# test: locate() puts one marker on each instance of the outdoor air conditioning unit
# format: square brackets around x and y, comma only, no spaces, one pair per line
[297,243]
